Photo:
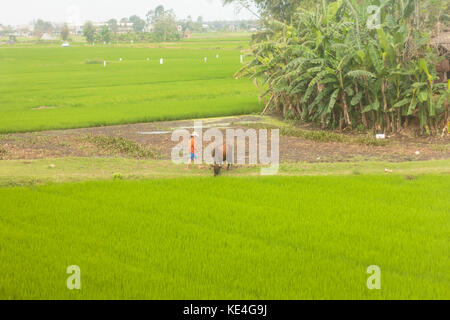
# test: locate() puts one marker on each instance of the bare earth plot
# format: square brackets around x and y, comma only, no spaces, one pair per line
[137,151]
[156,139]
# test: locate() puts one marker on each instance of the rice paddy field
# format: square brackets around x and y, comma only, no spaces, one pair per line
[234,238]
[50,87]
[149,229]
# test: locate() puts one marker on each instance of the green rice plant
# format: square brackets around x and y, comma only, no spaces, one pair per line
[299,238]
[132,91]
[118,176]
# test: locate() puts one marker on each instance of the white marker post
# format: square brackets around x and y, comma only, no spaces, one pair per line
[217,56]
[206,59]
[104,63]
[120,59]
[242,59]
[161,61]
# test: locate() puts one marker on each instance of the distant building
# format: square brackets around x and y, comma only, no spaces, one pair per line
[441,43]
[12,39]
[124,27]
[187,33]
[47,37]
[99,24]
[75,30]
[78,30]
[25,31]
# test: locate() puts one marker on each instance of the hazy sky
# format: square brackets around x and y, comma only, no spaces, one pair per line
[15,12]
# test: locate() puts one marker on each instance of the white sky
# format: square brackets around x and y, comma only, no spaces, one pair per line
[15,12]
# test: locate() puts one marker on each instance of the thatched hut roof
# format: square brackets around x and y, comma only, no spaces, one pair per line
[442,40]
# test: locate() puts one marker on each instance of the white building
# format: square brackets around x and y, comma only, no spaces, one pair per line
[47,37]
[99,24]
[124,27]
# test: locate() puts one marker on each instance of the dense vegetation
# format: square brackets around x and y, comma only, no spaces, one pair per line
[245,238]
[334,64]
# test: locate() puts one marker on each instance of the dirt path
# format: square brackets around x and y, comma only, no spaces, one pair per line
[156,137]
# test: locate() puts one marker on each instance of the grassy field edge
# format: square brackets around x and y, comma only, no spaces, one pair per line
[62,170]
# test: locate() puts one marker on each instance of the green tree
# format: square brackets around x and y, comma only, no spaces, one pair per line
[165,26]
[138,23]
[113,26]
[281,10]
[159,11]
[153,15]
[188,24]
[198,26]
[89,31]
[105,34]
[41,27]
[65,32]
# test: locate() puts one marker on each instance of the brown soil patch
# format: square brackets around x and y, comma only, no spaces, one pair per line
[73,143]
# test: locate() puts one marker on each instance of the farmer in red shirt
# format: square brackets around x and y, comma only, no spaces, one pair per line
[193,149]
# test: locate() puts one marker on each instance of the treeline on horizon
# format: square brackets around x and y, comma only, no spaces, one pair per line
[159,25]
